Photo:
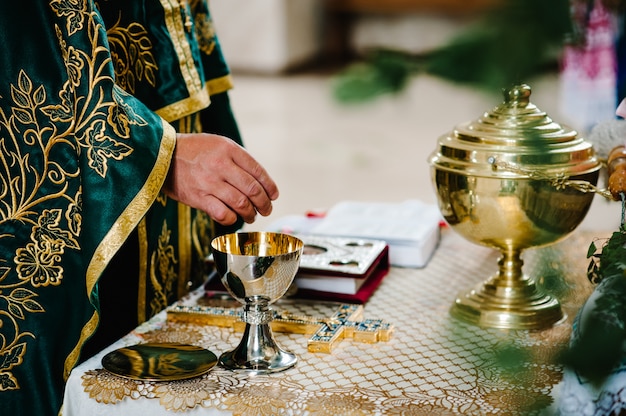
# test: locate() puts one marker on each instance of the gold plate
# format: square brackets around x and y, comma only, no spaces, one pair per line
[159,361]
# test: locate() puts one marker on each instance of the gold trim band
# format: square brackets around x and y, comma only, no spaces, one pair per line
[186,107]
[220,85]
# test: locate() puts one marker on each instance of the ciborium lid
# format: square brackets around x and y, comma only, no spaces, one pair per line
[518,135]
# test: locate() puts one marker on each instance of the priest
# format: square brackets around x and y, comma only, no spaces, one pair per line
[120,160]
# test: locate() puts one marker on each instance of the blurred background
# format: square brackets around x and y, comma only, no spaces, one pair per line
[288,55]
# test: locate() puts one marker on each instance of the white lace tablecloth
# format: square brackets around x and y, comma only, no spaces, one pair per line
[431,365]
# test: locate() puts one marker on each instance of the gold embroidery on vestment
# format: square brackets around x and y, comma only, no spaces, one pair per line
[185,125]
[194,103]
[131,49]
[205,32]
[55,229]
[220,85]
[203,231]
[127,222]
[142,234]
[175,25]
[163,275]
[88,329]
[75,11]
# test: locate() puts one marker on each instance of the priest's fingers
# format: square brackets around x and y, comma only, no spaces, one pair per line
[221,212]
[249,185]
[241,184]
[214,174]
[225,201]
[249,191]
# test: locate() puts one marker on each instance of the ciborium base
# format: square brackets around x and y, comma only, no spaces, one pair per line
[509,300]
[493,306]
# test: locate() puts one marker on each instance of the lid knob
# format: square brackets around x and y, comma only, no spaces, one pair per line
[518,95]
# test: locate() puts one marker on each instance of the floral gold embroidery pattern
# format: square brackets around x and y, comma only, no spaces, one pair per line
[205,32]
[73,10]
[41,194]
[131,51]
[39,261]
[203,230]
[163,275]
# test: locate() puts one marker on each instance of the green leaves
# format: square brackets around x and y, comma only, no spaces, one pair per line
[386,72]
[609,259]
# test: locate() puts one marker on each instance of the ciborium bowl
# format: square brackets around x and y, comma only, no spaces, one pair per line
[257,268]
[512,180]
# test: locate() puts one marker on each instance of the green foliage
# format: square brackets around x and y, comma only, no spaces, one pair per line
[609,259]
[551,271]
[386,72]
[509,44]
[597,348]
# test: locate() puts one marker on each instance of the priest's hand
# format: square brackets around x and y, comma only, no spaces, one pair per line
[617,172]
[216,175]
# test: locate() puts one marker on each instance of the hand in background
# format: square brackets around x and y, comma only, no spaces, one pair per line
[617,172]
[216,175]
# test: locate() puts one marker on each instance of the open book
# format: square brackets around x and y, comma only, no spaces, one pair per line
[340,265]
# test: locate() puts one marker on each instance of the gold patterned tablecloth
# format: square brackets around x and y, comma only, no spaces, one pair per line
[431,365]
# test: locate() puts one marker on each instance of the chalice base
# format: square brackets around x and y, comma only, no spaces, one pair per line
[258,353]
[521,306]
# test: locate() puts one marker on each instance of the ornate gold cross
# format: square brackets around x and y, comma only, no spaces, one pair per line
[346,322]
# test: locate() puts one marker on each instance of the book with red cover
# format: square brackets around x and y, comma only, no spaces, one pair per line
[371,280]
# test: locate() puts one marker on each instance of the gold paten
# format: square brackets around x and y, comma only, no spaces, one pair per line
[489,177]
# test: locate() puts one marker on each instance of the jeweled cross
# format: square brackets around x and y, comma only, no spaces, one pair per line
[326,333]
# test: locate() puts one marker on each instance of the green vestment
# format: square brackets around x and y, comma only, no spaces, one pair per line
[91,99]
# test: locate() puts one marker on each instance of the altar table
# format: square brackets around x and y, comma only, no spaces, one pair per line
[432,365]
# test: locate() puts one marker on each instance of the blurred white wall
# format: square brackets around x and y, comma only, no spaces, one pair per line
[268,36]
[412,32]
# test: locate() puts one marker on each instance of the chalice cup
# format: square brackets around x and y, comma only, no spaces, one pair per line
[257,268]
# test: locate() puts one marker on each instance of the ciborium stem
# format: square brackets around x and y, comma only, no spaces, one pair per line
[509,300]
[510,265]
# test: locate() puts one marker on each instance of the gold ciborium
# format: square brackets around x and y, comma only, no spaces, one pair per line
[512,180]
[257,268]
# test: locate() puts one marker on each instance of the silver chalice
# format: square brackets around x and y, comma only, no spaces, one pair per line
[257,268]
[513,180]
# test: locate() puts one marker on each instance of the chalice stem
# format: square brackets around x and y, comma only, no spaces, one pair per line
[258,350]
[258,343]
